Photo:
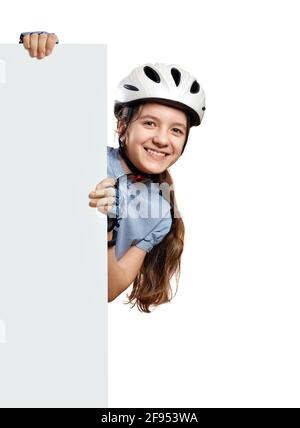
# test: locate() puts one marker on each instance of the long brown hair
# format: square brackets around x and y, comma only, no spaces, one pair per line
[152,285]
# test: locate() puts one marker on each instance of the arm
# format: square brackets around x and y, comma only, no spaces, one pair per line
[121,273]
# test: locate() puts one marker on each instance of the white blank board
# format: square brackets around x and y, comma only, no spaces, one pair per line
[53,294]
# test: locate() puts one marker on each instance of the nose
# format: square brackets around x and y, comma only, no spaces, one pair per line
[161,137]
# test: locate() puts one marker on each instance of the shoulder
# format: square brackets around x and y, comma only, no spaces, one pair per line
[110,150]
[112,161]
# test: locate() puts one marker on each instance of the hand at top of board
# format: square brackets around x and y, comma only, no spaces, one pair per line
[39,44]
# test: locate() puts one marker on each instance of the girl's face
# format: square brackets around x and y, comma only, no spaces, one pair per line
[154,140]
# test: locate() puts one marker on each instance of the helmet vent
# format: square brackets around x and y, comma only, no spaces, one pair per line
[195,88]
[131,88]
[152,74]
[176,76]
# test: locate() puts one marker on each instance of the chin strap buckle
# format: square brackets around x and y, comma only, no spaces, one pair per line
[139,177]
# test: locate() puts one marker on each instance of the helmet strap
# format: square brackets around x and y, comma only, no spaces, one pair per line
[137,173]
[188,131]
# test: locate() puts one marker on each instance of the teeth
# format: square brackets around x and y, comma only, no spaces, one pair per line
[156,153]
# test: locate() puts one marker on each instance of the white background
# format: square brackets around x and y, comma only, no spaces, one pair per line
[230,338]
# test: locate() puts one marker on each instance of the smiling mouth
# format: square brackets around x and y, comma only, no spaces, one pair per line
[156,154]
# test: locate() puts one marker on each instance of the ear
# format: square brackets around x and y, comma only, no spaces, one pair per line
[121,127]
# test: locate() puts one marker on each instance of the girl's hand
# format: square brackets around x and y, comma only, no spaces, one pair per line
[39,45]
[104,196]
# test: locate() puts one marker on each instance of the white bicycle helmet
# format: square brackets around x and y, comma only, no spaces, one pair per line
[166,84]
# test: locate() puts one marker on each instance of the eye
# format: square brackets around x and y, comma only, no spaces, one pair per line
[149,122]
[178,131]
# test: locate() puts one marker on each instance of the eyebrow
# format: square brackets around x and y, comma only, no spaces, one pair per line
[156,118]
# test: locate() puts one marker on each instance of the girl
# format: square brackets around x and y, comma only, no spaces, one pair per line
[155,108]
